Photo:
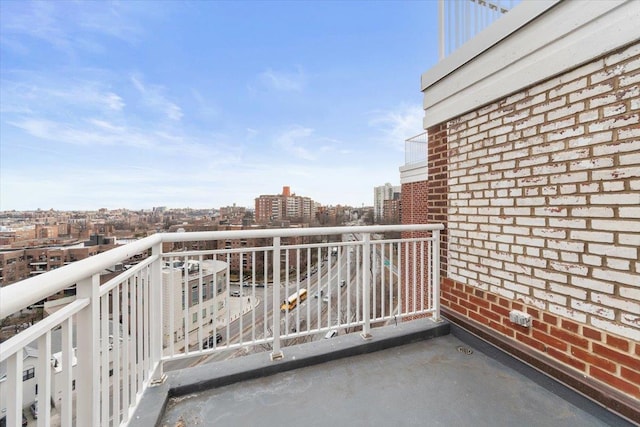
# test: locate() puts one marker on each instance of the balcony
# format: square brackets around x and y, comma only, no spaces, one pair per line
[159,314]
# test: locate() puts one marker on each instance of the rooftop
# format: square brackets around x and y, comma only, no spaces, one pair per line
[407,374]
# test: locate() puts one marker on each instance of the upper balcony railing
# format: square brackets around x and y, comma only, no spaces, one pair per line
[415,149]
[275,288]
[461,20]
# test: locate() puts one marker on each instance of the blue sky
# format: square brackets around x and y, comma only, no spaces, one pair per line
[204,104]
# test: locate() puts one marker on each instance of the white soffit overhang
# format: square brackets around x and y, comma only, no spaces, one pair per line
[531,43]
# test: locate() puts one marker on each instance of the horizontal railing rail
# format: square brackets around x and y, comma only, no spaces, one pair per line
[248,291]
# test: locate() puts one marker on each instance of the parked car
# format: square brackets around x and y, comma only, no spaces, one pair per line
[208,342]
[3,421]
[343,283]
[235,293]
[318,293]
[34,409]
[332,333]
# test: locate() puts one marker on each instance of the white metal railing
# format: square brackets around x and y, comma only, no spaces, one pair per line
[461,20]
[415,149]
[118,333]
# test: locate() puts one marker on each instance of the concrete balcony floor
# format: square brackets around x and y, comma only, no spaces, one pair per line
[437,379]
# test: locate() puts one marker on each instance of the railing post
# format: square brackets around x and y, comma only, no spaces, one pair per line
[88,367]
[276,354]
[14,388]
[435,276]
[366,285]
[156,325]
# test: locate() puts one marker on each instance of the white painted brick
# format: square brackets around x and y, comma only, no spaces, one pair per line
[593,163]
[567,223]
[613,251]
[606,74]
[518,269]
[570,155]
[590,92]
[510,164]
[618,147]
[548,147]
[569,268]
[566,133]
[502,292]
[489,211]
[614,110]
[617,276]
[568,290]
[530,241]
[629,92]
[534,302]
[550,297]
[630,159]
[631,332]
[531,100]
[568,189]
[568,87]
[629,239]
[592,187]
[621,304]
[530,201]
[532,251]
[592,260]
[569,257]
[591,284]
[515,192]
[549,169]
[629,212]
[635,184]
[484,159]
[568,178]
[615,199]
[628,226]
[491,124]
[594,309]
[504,192]
[567,200]
[629,79]
[501,238]
[564,245]
[609,186]
[531,141]
[550,254]
[517,173]
[592,236]
[630,293]
[491,263]
[550,190]
[516,116]
[515,154]
[568,313]
[529,122]
[550,126]
[599,101]
[588,116]
[501,220]
[477,137]
[548,275]
[550,211]
[501,202]
[502,274]
[614,122]
[592,212]
[568,110]
[478,121]
[532,261]
[468,178]
[618,264]
[517,288]
[591,139]
[549,105]
[619,173]
[500,130]
[550,233]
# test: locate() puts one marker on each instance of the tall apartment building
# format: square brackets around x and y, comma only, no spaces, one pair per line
[285,206]
[380,194]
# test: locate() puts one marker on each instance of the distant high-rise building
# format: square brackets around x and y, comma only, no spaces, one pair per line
[287,206]
[380,194]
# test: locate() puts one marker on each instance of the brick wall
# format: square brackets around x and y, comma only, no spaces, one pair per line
[543,216]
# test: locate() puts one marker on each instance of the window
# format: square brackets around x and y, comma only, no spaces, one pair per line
[194,295]
[204,313]
[28,373]
[194,318]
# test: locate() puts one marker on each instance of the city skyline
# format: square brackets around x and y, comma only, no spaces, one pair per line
[136,104]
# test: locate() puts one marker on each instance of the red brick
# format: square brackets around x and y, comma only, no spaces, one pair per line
[490,314]
[533,312]
[504,302]
[570,326]
[549,318]
[468,305]
[615,382]
[500,310]
[478,318]
[491,297]
[517,306]
[541,326]
[630,375]
[592,359]
[565,358]
[531,342]
[619,343]
[502,329]
[459,309]
[632,362]
[479,302]
[591,333]
[569,337]
[548,339]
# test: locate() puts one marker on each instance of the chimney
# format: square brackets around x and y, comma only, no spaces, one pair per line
[286,191]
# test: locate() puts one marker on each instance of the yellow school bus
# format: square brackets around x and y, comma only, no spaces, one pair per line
[294,299]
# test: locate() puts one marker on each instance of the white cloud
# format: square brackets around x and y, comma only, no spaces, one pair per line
[398,124]
[293,141]
[284,81]
[153,97]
